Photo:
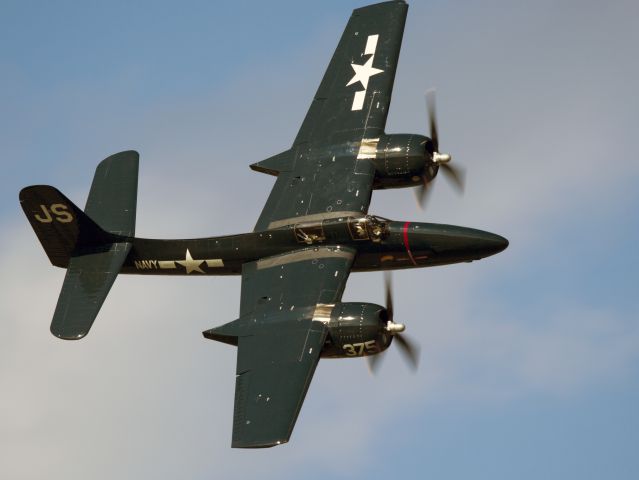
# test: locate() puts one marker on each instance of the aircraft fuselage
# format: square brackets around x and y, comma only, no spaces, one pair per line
[380,244]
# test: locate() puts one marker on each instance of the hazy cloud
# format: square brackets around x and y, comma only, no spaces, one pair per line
[537,102]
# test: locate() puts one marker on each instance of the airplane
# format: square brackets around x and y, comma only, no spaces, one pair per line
[312,232]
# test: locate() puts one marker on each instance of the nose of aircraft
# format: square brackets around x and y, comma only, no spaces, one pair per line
[491,243]
[456,244]
[473,244]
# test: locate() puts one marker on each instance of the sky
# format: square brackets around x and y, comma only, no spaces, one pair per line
[529,359]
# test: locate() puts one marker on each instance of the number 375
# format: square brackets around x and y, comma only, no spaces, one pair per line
[359,349]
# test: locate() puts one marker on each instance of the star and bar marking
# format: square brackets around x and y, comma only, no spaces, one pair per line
[364,72]
[189,263]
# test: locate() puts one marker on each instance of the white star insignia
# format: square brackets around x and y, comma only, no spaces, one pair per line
[364,72]
[190,264]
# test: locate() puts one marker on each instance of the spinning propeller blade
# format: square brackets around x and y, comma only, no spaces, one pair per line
[409,349]
[431,109]
[454,174]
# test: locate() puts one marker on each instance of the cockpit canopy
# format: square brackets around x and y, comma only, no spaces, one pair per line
[369,227]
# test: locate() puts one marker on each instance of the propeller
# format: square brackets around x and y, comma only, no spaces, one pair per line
[407,348]
[441,160]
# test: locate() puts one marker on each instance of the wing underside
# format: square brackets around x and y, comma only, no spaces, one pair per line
[328,172]
[275,368]
[279,342]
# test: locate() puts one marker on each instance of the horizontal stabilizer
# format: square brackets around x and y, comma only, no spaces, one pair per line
[282,162]
[226,333]
[87,282]
[113,196]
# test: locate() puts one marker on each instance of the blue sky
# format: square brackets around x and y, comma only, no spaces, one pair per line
[529,359]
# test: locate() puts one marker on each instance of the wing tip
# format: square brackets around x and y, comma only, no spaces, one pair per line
[380,5]
[258,444]
[68,335]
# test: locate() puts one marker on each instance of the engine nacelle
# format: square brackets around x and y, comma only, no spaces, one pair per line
[402,159]
[354,329]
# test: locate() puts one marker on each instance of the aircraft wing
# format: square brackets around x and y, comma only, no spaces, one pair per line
[280,338]
[327,172]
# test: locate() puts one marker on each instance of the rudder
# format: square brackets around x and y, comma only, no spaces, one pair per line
[62,228]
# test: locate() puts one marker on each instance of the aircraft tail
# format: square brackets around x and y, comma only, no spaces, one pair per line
[62,228]
[91,244]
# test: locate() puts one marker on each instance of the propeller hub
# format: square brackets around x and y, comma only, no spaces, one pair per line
[393,328]
[440,158]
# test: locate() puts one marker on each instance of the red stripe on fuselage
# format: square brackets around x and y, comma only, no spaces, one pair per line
[406,244]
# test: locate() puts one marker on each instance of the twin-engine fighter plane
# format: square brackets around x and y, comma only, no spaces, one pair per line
[313,231]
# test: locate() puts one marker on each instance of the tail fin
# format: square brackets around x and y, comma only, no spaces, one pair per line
[92,245]
[64,230]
